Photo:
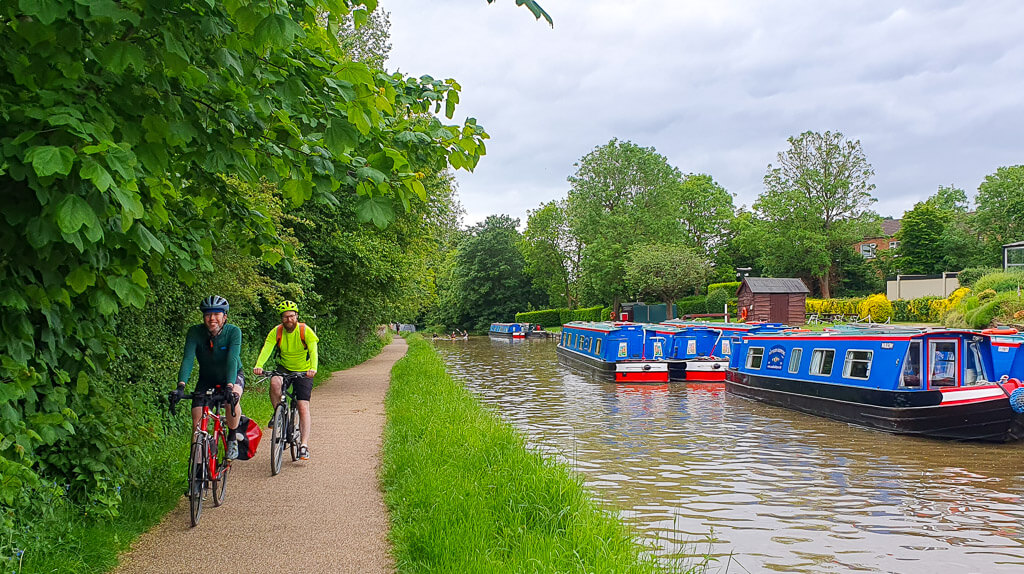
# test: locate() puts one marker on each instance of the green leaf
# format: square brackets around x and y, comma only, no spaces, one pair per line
[119,56]
[82,384]
[376,209]
[73,212]
[48,160]
[297,191]
[80,279]
[277,30]
[46,10]
[340,137]
[103,302]
[131,204]
[271,257]
[97,174]
[374,175]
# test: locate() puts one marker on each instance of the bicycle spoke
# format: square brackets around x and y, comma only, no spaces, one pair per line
[277,440]
[196,478]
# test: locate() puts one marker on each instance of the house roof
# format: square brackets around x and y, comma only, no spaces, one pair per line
[891,226]
[775,285]
[1017,244]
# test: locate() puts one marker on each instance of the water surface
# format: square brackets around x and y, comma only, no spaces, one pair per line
[778,490]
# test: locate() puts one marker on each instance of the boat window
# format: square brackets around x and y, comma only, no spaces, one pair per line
[726,347]
[598,350]
[754,357]
[974,367]
[858,364]
[821,361]
[794,360]
[912,365]
[943,363]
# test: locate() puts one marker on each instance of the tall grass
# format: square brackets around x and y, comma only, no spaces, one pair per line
[466,495]
[68,538]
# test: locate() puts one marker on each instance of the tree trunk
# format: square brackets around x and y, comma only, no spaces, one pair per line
[826,291]
[668,308]
[616,309]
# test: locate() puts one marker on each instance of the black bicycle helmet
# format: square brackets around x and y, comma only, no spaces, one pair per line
[213,304]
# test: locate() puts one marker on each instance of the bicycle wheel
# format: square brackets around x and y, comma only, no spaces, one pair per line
[196,479]
[293,431]
[221,483]
[277,440]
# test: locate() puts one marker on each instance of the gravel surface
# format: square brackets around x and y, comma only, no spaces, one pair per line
[323,515]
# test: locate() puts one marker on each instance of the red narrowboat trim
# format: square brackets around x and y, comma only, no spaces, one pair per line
[705,375]
[641,376]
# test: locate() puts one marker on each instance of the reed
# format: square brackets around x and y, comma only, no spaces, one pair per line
[467,495]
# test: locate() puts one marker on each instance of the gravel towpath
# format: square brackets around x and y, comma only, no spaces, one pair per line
[324,515]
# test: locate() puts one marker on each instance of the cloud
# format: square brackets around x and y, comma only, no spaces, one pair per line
[930,88]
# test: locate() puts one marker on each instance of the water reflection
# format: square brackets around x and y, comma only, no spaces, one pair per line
[782,491]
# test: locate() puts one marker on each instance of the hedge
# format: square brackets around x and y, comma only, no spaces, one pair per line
[544,318]
[559,317]
[694,304]
[730,286]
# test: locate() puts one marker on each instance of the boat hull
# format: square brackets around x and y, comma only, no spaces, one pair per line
[900,412]
[619,372]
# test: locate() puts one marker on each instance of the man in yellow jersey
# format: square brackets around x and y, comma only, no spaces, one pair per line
[296,344]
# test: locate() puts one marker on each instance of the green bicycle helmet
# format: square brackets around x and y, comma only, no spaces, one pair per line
[285,306]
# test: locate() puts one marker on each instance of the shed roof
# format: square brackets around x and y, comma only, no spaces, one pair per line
[775,285]
[1017,244]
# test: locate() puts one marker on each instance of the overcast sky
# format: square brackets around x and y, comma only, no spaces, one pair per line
[933,89]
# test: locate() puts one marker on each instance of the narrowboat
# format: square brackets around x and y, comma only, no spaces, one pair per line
[610,351]
[516,331]
[698,351]
[943,383]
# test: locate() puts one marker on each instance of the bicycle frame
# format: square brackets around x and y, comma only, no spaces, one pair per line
[219,436]
[206,468]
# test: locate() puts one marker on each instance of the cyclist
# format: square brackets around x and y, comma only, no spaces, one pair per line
[215,345]
[296,344]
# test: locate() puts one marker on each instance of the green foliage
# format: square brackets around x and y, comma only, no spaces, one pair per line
[969,277]
[594,313]
[1000,208]
[877,307]
[665,271]
[1000,281]
[716,300]
[815,205]
[849,306]
[467,495]
[920,249]
[730,287]
[694,304]
[913,311]
[548,247]
[544,318]
[986,294]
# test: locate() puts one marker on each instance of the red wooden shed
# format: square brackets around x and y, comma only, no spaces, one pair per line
[771,299]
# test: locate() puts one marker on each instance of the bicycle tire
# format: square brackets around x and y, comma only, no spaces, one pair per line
[196,478]
[293,431]
[221,483]
[277,440]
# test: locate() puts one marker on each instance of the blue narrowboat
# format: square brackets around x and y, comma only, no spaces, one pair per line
[698,350]
[944,383]
[516,331]
[611,351]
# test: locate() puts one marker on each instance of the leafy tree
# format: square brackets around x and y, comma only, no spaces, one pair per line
[490,281]
[551,253]
[815,205]
[921,250]
[949,199]
[127,130]
[369,42]
[666,271]
[1000,207]
[705,210]
[621,194]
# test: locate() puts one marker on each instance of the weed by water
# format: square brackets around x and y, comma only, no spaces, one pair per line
[467,495]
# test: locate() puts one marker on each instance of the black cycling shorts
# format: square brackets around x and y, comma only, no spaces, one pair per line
[303,385]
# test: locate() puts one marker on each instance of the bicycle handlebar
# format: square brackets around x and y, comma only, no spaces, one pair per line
[215,396]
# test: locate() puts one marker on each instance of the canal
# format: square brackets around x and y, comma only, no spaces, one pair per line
[698,471]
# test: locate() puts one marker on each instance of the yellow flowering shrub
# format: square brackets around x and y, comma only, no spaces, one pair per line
[877,307]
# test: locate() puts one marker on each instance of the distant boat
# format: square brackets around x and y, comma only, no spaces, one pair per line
[517,331]
[944,383]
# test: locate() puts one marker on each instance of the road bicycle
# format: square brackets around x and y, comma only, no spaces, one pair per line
[208,466]
[285,421]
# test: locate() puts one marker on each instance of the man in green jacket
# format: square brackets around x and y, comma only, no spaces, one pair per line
[298,355]
[214,344]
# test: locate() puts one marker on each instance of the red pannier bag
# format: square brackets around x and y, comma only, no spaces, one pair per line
[248,435]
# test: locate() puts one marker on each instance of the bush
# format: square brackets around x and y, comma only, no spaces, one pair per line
[1000,281]
[877,307]
[729,287]
[544,318]
[606,314]
[979,318]
[986,294]
[717,300]
[968,277]
[692,305]
[834,306]
[939,307]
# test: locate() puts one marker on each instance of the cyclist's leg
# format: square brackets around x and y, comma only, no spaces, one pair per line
[197,413]
[275,390]
[237,389]
[303,391]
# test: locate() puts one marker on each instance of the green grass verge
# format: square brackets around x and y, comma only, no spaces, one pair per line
[466,495]
[69,539]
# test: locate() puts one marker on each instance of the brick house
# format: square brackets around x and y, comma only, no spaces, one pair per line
[870,246]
